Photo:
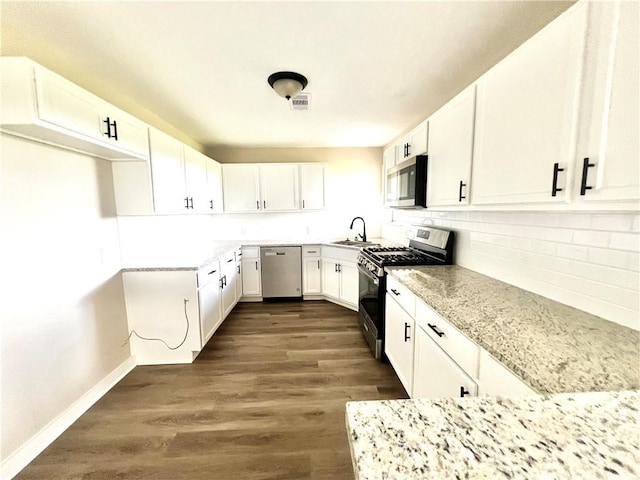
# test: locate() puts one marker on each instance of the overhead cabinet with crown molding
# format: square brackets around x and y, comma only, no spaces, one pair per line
[40,105]
[273,187]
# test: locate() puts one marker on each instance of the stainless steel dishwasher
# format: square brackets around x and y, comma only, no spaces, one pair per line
[281,272]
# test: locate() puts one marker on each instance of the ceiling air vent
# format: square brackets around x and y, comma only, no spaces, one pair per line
[300,102]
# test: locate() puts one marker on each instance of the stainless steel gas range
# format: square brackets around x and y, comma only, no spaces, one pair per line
[427,246]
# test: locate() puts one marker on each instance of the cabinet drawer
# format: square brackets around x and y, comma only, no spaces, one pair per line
[207,273]
[250,253]
[401,294]
[462,350]
[311,251]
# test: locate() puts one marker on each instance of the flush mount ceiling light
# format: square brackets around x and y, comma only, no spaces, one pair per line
[287,84]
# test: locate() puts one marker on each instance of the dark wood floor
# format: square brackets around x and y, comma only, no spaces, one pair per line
[264,400]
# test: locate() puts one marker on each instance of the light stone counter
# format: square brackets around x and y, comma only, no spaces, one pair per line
[552,347]
[220,248]
[567,436]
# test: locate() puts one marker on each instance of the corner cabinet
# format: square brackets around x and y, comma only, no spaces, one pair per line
[40,105]
[277,187]
[527,117]
[340,276]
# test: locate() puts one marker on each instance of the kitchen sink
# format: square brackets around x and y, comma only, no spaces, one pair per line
[354,243]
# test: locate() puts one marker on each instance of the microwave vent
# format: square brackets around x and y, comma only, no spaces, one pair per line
[300,102]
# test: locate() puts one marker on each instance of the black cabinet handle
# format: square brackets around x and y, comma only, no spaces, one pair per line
[230,260]
[585,173]
[408,149]
[108,124]
[335,267]
[460,197]
[463,392]
[264,203]
[211,204]
[302,203]
[435,329]
[114,124]
[554,184]
[406,328]
[257,204]
[395,292]
[212,272]
[238,269]
[186,202]
[318,264]
[256,265]
[191,203]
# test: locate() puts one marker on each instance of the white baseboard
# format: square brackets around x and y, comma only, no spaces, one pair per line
[19,459]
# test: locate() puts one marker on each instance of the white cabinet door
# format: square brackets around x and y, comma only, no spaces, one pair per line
[210,306]
[239,279]
[399,341]
[167,173]
[496,380]
[451,150]
[214,186]
[389,158]
[312,276]
[279,187]
[417,140]
[349,279]
[61,103]
[330,278]
[195,175]
[229,299]
[435,375]
[526,117]
[312,186]
[241,188]
[251,278]
[612,168]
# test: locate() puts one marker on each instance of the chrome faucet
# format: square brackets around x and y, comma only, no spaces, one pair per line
[364,228]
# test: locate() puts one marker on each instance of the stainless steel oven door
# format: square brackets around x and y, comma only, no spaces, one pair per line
[371,308]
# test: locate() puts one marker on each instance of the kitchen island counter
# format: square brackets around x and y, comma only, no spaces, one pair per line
[584,435]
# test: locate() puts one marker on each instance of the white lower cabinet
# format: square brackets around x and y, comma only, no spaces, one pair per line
[435,374]
[239,274]
[209,301]
[496,379]
[229,275]
[399,341]
[340,276]
[251,276]
[311,270]
[433,359]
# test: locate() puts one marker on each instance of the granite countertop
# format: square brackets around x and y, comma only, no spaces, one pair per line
[220,248]
[552,347]
[566,436]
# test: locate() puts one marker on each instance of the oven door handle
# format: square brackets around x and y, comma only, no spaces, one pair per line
[368,274]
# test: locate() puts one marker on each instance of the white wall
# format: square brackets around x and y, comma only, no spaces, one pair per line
[590,261]
[62,309]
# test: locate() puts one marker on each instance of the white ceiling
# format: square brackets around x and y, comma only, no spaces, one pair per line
[374,68]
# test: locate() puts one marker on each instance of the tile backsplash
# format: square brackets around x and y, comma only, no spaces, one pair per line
[590,261]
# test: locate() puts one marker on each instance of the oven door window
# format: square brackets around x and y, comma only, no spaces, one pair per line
[369,297]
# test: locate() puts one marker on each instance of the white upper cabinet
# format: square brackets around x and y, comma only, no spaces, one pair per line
[241,187]
[609,166]
[167,173]
[214,186]
[414,143]
[43,106]
[196,181]
[279,187]
[312,186]
[451,151]
[527,115]
[273,187]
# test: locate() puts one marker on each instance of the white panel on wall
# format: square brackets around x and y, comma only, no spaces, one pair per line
[590,261]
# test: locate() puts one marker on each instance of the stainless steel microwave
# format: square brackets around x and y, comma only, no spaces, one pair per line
[407,183]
